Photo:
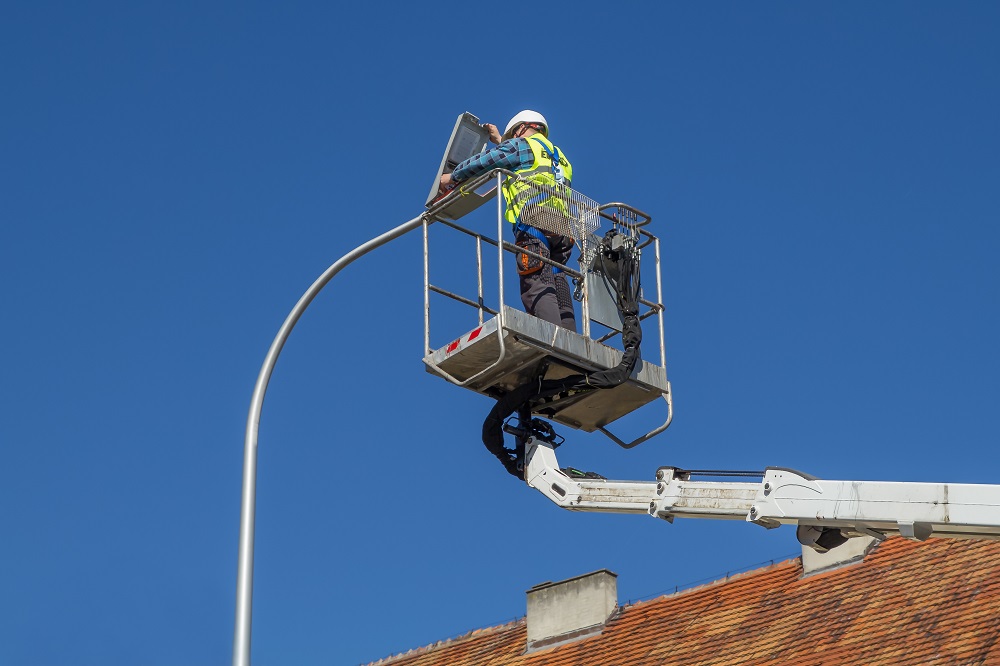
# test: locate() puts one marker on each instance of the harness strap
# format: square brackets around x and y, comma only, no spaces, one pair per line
[554,157]
[521,227]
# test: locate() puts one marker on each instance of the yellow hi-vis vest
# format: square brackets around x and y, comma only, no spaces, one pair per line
[516,192]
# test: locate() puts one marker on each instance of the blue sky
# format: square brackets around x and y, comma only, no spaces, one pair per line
[824,177]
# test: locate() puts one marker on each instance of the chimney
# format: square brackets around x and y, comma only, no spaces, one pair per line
[572,609]
[837,555]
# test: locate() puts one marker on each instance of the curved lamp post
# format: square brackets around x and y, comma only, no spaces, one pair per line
[244,576]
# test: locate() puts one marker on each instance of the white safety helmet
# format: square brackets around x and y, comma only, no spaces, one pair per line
[526,116]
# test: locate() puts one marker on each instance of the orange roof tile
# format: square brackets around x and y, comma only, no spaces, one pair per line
[907,604]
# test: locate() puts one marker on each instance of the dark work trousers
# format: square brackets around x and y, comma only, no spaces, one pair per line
[545,293]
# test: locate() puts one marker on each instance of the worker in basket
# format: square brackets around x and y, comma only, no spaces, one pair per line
[536,215]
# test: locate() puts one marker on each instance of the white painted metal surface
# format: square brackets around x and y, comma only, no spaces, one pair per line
[915,510]
[541,471]
[495,358]
[782,497]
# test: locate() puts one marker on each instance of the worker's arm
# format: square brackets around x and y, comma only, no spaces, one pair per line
[509,154]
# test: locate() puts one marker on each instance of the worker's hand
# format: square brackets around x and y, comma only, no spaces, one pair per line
[446,183]
[494,133]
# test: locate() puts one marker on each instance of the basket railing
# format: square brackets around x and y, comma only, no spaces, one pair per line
[554,209]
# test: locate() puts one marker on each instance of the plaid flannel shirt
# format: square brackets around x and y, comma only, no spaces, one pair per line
[510,154]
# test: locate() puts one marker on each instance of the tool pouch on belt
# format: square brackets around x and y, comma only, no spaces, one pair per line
[526,264]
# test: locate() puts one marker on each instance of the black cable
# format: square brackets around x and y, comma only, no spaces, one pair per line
[523,399]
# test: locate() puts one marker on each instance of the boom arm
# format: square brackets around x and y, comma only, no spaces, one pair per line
[826,511]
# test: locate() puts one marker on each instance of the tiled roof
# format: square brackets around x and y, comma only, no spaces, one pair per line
[907,604]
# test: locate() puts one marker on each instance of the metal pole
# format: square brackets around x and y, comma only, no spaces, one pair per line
[501,318]
[427,291]
[244,575]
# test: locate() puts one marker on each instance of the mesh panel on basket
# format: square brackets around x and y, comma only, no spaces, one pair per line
[621,219]
[561,210]
[589,249]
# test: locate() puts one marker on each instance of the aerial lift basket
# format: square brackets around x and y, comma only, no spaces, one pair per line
[511,348]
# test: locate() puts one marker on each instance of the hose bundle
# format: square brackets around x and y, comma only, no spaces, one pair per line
[617,260]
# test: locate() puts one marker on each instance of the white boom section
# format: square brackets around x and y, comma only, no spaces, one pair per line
[784,497]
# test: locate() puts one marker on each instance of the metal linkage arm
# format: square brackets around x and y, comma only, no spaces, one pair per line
[784,497]
[541,471]
[672,495]
[677,496]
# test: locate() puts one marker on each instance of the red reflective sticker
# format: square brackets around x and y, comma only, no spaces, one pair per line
[452,347]
[475,334]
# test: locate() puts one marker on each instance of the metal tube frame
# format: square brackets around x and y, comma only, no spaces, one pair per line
[244,574]
[501,318]
[629,216]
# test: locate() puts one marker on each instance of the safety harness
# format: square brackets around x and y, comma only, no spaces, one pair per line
[560,178]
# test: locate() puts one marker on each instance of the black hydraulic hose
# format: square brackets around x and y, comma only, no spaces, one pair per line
[493,426]
[626,270]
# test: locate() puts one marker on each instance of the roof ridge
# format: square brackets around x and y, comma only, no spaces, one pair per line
[710,582]
[725,578]
[752,616]
[449,641]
